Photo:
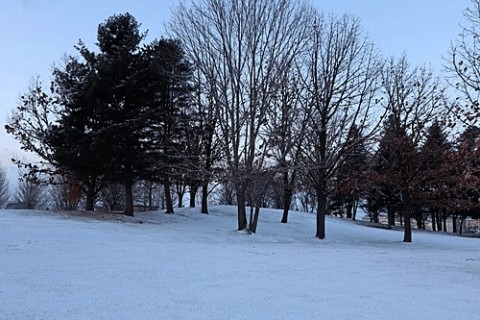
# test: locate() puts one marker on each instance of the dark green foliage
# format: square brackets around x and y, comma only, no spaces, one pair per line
[351,174]
[119,34]
[435,168]
[393,174]
[124,108]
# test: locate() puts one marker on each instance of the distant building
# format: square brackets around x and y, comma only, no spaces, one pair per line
[472,225]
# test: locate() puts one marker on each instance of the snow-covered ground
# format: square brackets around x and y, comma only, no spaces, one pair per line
[193,266]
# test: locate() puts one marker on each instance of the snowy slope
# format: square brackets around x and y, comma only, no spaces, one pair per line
[193,266]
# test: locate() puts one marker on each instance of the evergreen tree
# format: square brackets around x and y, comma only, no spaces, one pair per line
[351,173]
[74,139]
[121,115]
[383,183]
[173,125]
[395,172]
[435,171]
[464,184]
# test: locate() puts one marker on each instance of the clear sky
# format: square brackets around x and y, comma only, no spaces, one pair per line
[35,34]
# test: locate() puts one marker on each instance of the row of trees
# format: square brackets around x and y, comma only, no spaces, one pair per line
[253,94]
[112,117]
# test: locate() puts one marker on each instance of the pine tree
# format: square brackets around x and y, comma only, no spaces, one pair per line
[435,171]
[465,177]
[395,171]
[351,173]
[174,123]
[121,119]
[383,183]
[76,149]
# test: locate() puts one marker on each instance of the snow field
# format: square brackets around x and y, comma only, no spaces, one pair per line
[193,266]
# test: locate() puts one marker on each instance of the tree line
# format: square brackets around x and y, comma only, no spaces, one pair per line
[274,101]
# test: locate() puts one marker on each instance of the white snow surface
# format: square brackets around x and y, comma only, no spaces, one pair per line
[194,266]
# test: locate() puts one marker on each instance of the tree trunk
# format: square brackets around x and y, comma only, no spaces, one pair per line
[168,195]
[150,196]
[180,199]
[287,197]
[204,208]
[128,199]
[444,218]
[418,219]
[407,236]
[439,221]
[241,209]
[254,221]
[349,209]
[193,194]
[321,212]
[454,223]
[286,207]
[90,198]
[434,223]
[390,217]
[460,228]
[354,212]
[208,167]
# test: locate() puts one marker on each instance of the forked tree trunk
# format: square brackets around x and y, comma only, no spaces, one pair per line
[242,214]
[254,222]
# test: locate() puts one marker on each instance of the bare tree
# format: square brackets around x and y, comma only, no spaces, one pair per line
[38,110]
[286,127]
[464,66]
[4,189]
[244,45]
[113,196]
[65,194]
[29,123]
[206,66]
[31,194]
[342,83]
[414,99]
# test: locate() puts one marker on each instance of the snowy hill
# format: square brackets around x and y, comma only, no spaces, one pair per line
[194,266]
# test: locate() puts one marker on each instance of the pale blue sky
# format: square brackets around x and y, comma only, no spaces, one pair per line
[34,34]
